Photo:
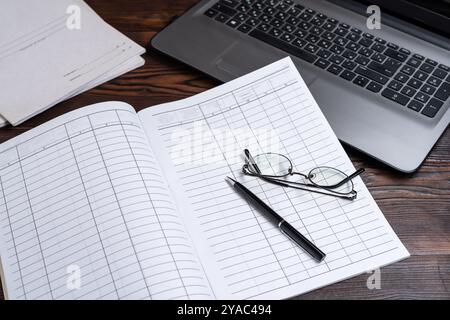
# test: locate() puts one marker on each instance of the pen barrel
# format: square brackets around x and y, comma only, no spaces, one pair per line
[301,240]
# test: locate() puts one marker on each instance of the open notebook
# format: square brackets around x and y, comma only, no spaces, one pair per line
[138,204]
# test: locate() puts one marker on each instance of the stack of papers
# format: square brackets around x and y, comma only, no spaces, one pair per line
[53,50]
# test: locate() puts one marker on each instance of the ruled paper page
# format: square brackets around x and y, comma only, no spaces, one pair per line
[85,213]
[271,110]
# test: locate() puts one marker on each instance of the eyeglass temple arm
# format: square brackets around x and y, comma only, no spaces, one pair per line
[350,177]
[251,161]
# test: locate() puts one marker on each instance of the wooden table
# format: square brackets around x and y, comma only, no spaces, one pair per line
[417,205]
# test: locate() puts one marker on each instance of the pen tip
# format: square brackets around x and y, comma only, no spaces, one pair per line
[230,179]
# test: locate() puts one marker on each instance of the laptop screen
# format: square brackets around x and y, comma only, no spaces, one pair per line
[430,14]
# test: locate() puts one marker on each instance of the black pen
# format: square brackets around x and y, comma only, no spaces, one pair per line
[284,226]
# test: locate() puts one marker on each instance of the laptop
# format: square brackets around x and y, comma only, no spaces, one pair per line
[384,91]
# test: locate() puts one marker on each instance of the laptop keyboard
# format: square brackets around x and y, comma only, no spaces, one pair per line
[411,80]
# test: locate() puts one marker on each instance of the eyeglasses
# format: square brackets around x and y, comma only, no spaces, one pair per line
[278,169]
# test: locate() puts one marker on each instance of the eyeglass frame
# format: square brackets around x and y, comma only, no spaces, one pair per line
[352,195]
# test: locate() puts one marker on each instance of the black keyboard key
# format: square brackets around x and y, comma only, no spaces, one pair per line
[211,13]
[341,32]
[299,42]
[324,53]
[224,9]
[428,89]
[241,17]
[344,25]
[305,16]
[408,91]
[336,59]
[335,69]
[265,18]
[422,97]
[431,62]
[317,21]
[368,36]
[393,46]
[439,73]
[297,52]
[353,46]
[293,21]
[245,28]
[405,51]
[408,70]
[381,68]
[432,108]
[365,52]
[395,96]
[230,3]
[233,23]
[300,33]
[311,48]
[356,30]
[328,35]
[340,41]
[365,42]
[372,75]
[222,18]
[347,75]
[444,67]
[378,57]
[329,26]
[288,28]
[353,37]
[396,55]
[277,23]
[294,11]
[349,65]
[395,85]
[264,27]
[304,25]
[434,81]
[378,47]
[275,32]
[362,60]
[422,76]
[414,62]
[243,8]
[379,40]
[361,81]
[418,56]
[322,63]
[392,64]
[426,67]
[443,92]
[281,15]
[401,77]
[324,43]
[415,83]
[415,105]
[312,38]
[337,49]
[374,87]
[287,37]
[349,54]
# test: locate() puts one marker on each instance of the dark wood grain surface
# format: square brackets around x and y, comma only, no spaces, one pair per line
[416,205]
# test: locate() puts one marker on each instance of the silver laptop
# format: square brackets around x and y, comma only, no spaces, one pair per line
[384,91]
